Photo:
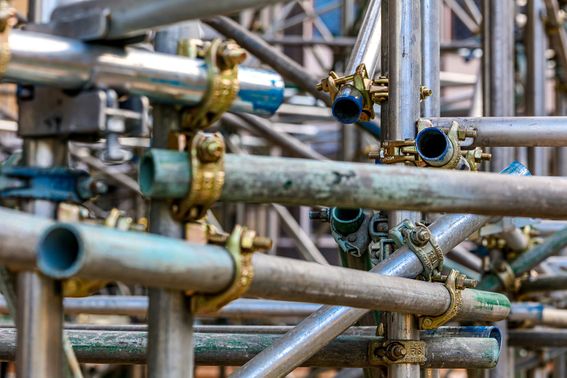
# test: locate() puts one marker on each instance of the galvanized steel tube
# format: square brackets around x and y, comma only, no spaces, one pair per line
[256,179]
[65,63]
[512,131]
[129,347]
[367,46]
[544,283]
[130,17]
[538,338]
[539,314]
[101,253]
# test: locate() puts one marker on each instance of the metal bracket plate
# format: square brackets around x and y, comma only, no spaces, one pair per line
[393,352]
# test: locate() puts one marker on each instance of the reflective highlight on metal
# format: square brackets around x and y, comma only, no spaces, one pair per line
[65,63]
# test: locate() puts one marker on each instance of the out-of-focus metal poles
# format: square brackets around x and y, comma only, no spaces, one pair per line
[538,158]
[511,131]
[498,67]
[131,17]
[538,313]
[528,260]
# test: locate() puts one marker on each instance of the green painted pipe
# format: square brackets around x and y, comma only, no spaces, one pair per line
[346,221]
[528,260]
[302,182]
[225,349]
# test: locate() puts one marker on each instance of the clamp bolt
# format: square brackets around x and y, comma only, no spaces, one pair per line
[420,236]
[210,150]
[396,351]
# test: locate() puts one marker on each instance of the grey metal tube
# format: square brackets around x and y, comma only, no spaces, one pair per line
[130,17]
[367,46]
[71,64]
[91,252]
[539,314]
[512,131]
[322,326]
[129,347]
[544,283]
[431,56]
[538,338]
[498,67]
[351,185]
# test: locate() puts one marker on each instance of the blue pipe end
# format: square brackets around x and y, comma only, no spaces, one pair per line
[516,168]
[348,105]
[434,146]
[60,251]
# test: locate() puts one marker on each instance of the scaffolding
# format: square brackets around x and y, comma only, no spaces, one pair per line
[267,188]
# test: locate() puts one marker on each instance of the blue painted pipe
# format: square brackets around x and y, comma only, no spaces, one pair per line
[466,331]
[348,105]
[434,146]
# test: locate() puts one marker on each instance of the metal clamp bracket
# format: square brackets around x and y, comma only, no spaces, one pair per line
[206,155]
[455,307]
[506,275]
[420,241]
[222,59]
[241,244]
[393,352]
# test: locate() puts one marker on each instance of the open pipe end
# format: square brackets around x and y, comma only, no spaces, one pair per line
[434,146]
[347,221]
[147,174]
[60,251]
[348,105]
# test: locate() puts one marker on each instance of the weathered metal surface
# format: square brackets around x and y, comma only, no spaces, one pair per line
[538,338]
[129,347]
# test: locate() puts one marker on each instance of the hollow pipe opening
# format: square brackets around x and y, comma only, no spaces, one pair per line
[434,146]
[346,221]
[60,251]
[146,177]
[348,105]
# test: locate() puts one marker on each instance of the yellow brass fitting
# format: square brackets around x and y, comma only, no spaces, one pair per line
[210,150]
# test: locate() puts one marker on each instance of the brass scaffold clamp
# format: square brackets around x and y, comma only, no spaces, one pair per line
[241,244]
[206,157]
[222,59]
[420,241]
[455,283]
[8,20]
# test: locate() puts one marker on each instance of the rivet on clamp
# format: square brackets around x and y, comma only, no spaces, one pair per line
[241,244]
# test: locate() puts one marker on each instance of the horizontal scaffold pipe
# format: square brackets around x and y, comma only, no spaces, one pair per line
[65,63]
[512,131]
[98,252]
[138,306]
[130,17]
[260,179]
[544,283]
[129,347]
[537,313]
[538,338]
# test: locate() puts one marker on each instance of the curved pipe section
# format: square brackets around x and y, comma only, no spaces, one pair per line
[348,105]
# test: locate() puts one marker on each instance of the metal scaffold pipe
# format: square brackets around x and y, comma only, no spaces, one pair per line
[129,347]
[322,326]
[538,338]
[65,63]
[67,251]
[512,131]
[131,17]
[367,46]
[544,283]
[538,314]
[256,179]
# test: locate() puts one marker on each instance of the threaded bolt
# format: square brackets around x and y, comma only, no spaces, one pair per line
[262,243]
[210,150]
[420,236]
[396,351]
